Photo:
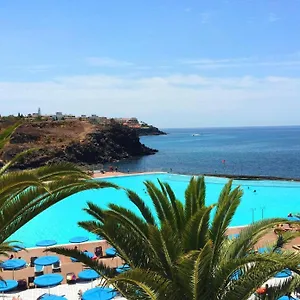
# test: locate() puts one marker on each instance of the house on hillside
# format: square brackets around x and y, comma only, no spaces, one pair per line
[58,116]
[94,118]
[132,122]
[69,117]
[103,120]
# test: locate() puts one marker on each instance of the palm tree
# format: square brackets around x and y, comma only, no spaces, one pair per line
[25,194]
[181,251]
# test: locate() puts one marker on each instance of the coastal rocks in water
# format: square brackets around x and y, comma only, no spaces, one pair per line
[74,141]
[149,130]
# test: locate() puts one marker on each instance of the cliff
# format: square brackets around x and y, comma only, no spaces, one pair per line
[149,130]
[75,141]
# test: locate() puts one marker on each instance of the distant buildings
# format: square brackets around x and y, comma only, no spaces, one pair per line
[59,116]
[130,122]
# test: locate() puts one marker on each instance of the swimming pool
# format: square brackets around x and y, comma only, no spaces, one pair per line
[59,222]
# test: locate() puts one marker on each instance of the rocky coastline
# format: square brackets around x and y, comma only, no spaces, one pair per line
[149,130]
[78,142]
[251,177]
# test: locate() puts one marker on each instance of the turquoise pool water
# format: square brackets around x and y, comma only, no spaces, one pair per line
[271,199]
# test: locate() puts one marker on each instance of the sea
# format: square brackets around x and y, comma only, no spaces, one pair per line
[255,151]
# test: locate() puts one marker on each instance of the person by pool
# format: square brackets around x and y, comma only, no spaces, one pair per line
[290,215]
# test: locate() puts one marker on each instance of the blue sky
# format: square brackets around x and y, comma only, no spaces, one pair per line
[170,63]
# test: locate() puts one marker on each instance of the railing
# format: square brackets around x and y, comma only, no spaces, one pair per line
[260,211]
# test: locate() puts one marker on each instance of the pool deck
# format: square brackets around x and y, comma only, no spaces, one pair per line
[119,174]
[226,176]
[70,291]
[67,265]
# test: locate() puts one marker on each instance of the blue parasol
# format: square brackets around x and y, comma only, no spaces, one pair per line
[88,274]
[52,297]
[48,280]
[233,236]
[46,260]
[87,253]
[236,275]
[13,264]
[111,251]
[283,274]
[99,293]
[122,269]
[287,298]
[263,250]
[46,243]
[7,285]
[78,239]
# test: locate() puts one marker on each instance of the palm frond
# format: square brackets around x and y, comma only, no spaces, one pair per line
[177,206]
[98,266]
[6,134]
[183,257]
[140,204]
[226,207]
[148,284]
[249,236]
[95,211]
[161,203]
[26,206]
[195,234]
[15,159]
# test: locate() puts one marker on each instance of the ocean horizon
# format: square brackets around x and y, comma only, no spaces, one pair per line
[252,151]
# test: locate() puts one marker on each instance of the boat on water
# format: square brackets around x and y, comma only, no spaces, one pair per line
[195,134]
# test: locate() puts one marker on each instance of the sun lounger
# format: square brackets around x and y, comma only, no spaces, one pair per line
[31,282]
[296,247]
[84,267]
[56,267]
[38,270]
[32,259]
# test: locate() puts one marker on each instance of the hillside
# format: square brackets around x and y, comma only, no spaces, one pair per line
[75,141]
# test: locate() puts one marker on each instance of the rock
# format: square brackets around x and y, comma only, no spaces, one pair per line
[75,142]
[149,130]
